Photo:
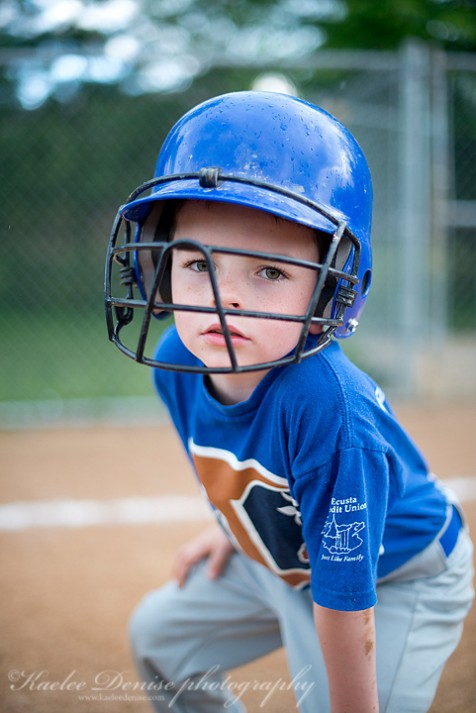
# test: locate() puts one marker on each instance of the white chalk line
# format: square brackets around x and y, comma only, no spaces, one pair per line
[164,510]
[71,514]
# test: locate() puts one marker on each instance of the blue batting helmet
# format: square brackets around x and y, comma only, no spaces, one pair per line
[262,150]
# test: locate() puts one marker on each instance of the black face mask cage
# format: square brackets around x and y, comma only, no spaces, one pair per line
[332,283]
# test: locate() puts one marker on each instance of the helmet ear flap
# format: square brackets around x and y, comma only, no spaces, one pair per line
[158,227]
[342,262]
[327,294]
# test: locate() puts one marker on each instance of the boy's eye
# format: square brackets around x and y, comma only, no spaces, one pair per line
[198,265]
[272,273]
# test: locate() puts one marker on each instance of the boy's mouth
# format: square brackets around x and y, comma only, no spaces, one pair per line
[217,329]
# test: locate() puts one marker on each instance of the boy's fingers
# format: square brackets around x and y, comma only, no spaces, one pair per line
[216,550]
[215,565]
[183,565]
[217,562]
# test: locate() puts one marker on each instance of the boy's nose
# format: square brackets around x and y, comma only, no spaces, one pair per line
[228,289]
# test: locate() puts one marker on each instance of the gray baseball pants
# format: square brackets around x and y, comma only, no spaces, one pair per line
[185,641]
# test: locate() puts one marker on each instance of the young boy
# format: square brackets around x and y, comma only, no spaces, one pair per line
[332,538]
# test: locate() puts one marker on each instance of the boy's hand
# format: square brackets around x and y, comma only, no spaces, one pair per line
[213,545]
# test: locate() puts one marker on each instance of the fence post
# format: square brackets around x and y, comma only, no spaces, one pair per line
[441,158]
[414,211]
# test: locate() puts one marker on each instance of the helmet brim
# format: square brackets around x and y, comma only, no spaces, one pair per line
[244,194]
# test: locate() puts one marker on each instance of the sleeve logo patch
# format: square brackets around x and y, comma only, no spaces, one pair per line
[342,539]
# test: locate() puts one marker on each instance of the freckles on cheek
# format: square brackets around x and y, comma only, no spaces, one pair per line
[182,293]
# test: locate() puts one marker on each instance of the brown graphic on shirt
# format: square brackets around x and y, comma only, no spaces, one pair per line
[227,489]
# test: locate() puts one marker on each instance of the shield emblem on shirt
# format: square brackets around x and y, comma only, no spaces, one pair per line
[256,507]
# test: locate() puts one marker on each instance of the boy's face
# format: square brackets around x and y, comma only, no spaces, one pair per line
[245,282]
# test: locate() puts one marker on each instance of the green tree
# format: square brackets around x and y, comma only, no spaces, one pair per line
[53,49]
[383,24]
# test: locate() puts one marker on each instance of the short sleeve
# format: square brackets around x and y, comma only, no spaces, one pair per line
[343,505]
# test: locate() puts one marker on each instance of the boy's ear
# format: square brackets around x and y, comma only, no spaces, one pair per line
[315,329]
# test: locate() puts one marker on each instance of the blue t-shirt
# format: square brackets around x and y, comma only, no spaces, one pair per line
[312,476]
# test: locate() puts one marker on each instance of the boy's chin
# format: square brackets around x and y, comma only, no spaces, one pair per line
[248,366]
[224,362]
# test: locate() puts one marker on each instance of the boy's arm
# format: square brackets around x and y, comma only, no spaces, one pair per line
[348,645]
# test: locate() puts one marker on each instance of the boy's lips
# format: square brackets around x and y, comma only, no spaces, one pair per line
[216,331]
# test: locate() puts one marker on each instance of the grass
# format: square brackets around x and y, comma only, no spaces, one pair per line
[65,356]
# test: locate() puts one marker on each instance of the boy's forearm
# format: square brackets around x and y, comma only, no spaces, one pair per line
[348,644]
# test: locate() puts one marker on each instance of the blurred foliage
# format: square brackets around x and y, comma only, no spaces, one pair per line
[54,48]
[340,23]
[382,25]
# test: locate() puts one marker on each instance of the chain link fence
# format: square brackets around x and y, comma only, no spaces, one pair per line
[68,165]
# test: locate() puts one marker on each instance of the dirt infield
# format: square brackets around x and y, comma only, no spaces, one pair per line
[67,592]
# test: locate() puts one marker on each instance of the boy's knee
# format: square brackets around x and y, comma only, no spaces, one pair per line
[148,624]
[137,626]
